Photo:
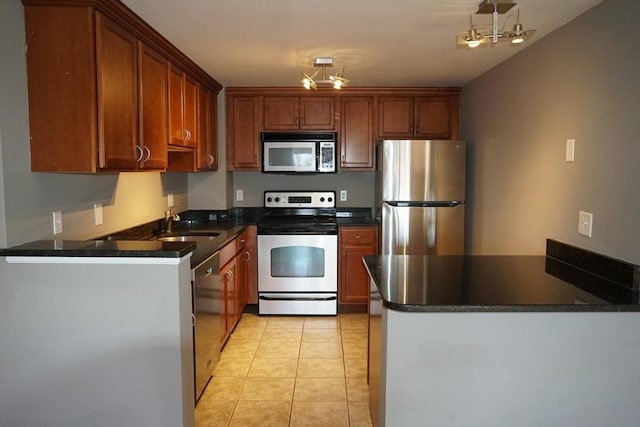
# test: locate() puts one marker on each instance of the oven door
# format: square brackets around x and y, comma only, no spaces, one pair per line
[297,263]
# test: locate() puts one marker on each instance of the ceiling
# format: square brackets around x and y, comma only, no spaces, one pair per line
[380,42]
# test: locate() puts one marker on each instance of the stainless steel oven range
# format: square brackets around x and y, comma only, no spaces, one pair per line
[298,254]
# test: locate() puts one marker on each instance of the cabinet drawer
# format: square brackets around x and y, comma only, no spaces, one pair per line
[363,236]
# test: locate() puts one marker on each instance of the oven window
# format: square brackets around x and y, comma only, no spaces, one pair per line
[297,261]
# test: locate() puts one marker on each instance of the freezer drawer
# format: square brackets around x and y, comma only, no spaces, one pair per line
[417,230]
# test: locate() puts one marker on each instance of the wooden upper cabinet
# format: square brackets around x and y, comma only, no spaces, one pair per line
[433,117]
[299,112]
[82,76]
[98,88]
[395,116]
[207,150]
[183,108]
[243,132]
[116,55]
[356,132]
[152,84]
[428,117]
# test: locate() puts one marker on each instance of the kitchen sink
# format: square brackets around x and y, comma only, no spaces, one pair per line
[190,237]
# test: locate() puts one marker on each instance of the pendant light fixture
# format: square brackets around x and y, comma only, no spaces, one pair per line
[311,82]
[490,34]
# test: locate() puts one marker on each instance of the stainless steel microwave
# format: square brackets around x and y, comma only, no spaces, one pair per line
[298,152]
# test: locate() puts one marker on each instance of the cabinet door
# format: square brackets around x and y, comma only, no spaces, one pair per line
[228,308]
[356,132]
[176,129]
[116,57]
[207,150]
[317,113]
[62,128]
[281,112]
[243,133]
[432,117]
[152,84]
[190,110]
[395,116]
[354,281]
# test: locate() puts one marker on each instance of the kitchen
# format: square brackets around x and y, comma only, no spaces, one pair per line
[518,117]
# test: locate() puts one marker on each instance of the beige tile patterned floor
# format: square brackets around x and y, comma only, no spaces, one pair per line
[290,371]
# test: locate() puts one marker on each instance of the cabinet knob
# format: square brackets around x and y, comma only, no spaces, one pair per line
[358,236]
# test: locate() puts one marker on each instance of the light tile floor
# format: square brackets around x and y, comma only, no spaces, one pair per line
[290,371]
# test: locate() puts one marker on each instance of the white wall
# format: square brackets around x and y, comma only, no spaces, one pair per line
[510,369]
[27,199]
[581,82]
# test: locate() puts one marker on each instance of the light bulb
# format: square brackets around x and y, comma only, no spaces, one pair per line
[306,83]
[337,84]
[473,43]
[517,40]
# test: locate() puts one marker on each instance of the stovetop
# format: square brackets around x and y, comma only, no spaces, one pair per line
[299,212]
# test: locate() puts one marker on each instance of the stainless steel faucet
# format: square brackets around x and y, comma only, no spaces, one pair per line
[169,217]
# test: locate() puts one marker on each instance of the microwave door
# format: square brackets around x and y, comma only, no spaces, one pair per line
[287,157]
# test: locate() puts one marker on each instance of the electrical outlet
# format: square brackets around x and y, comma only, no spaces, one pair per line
[239,195]
[97,214]
[170,200]
[585,223]
[343,195]
[570,150]
[57,222]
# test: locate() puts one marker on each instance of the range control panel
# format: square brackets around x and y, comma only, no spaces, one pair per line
[299,199]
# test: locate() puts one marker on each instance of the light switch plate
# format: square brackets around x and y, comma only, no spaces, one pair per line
[570,150]
[97,213]
[170,200]
[57,222]
[585,223]
[239,195]
[343,195]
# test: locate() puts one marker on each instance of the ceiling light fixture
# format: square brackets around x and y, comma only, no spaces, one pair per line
[337,81]
[488,35]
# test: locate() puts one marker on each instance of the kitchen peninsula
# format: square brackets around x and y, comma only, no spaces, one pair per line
[504,340]
[96,333]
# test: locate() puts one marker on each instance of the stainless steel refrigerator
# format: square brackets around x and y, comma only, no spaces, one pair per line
[420,196]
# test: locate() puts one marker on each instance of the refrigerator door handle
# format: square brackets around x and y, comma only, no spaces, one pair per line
[445,204]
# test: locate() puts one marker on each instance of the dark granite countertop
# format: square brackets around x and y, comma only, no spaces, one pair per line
[141,241]
[493,284]
[148,247]
[101,248]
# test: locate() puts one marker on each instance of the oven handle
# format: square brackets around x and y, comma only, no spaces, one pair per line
[332,298]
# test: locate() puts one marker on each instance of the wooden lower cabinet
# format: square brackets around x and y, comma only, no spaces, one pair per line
[250,259]
[238,279]
[353,280]
[229,291]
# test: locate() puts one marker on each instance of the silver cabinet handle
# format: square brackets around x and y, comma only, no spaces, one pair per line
[140,153]
[248,256]
[146,159]
[211,160]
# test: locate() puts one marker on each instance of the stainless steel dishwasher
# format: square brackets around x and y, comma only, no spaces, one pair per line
[207,303]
